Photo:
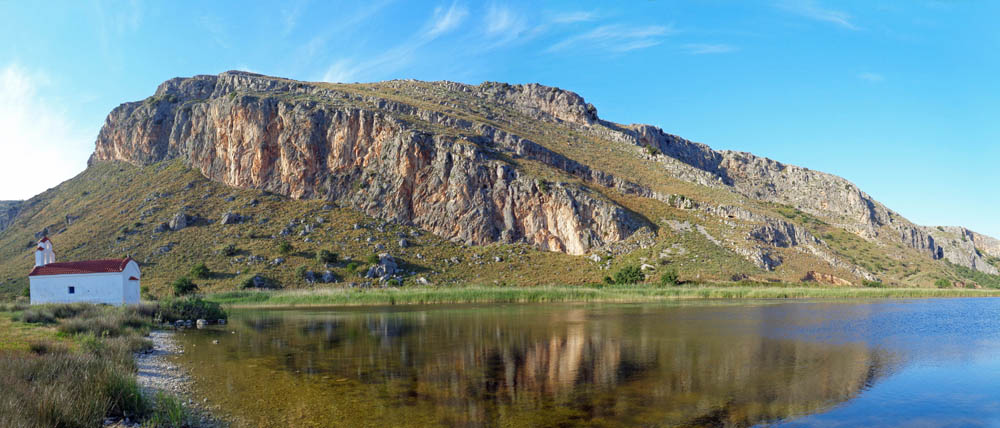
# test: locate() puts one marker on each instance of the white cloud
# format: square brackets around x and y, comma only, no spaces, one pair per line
[573,17]
[812,10]
[41,146]
[871,77]
[445,20]
[615,38]
[707,48]
[349,70]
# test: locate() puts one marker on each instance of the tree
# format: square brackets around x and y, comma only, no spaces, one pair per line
[669,278]
[184,285]
[200,271]
[285,248]
[325,256]
[629,275]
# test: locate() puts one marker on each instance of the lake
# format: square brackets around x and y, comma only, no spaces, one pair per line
[931,362]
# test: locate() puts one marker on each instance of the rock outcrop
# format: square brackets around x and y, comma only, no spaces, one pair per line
[8,210]
[253,131]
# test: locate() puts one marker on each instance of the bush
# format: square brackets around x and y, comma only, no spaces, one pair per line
[372,259]
[352,267]
[608,280]
[183,286]
[669,278]
[629,275]
[301,271]
[652,151]
[327,257]
[942,283]
[191,308]
[200,271]
[230,250]
[873,284]
[26,292]
[285,248]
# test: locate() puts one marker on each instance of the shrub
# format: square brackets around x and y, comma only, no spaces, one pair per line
[873,284]
[543,186]
[230,250]
[652,151]
[608,280]
[285,248]
[183,286]
[167,412]
[629,275]
[942,283]
[372,259]
[669,278]
[26,292]
[200,271]
[191,308]
[301,271]
[325,256]
[352,267]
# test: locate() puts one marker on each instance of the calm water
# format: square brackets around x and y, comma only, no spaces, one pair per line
[860,363]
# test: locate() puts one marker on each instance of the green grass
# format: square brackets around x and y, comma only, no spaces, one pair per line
[544,294]
[71,365]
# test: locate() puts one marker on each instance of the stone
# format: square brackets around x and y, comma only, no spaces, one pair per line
[231,218]
[497,259]
[328,277]
[178,221]
[201,323]
[277,261]
[162,227]
[385,267]
[379,247]
[403,243]
[596,258]
[423,281]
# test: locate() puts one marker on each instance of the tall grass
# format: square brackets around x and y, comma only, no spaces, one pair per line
[68,389]
[611,293]
[50,386]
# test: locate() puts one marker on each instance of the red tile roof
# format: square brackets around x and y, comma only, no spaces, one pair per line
[85,266]
[45,239]
[132,278]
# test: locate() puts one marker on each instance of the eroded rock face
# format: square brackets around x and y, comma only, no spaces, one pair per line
[9,210]
[245,130]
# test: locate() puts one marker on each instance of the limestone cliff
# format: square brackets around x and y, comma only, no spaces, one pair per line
[8,210]
[509,163]
[311,142]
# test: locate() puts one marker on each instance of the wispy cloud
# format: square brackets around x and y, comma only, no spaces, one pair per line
[216,28]
[35,130]
[707,48]
[615,38]
[441,22]
[503,25]
[871,77]
[445,20]
[813,10]
[573,17]
[290,17]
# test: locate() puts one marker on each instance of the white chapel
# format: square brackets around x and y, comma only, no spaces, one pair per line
[110,281]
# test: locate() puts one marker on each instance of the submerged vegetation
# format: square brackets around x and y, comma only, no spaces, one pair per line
[71,365]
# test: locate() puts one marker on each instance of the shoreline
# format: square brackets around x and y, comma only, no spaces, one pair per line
[156,373]
[334,297]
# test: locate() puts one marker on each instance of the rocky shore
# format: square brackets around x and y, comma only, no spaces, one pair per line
[157,373]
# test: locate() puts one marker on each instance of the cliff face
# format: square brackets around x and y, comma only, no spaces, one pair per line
[244,131]
[506,163]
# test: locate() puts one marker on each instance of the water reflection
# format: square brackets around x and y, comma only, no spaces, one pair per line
[525,366]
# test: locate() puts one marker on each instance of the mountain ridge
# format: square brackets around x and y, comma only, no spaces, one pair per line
[501,164]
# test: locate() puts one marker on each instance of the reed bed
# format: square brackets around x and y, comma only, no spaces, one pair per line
[616,293]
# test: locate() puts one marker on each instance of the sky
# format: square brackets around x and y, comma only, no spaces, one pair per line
[900,97]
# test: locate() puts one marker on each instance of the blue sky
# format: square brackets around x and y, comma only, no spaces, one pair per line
[899,97]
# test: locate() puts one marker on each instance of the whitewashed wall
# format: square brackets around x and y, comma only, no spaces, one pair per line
[111,288]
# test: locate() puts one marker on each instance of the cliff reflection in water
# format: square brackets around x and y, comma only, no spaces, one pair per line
[524,366]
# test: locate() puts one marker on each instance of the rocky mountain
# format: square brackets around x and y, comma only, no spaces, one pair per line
[499,164]
[8,210]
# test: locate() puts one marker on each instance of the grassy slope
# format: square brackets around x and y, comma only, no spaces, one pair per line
[118,211]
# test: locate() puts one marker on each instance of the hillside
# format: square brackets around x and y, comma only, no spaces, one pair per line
[521,184]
